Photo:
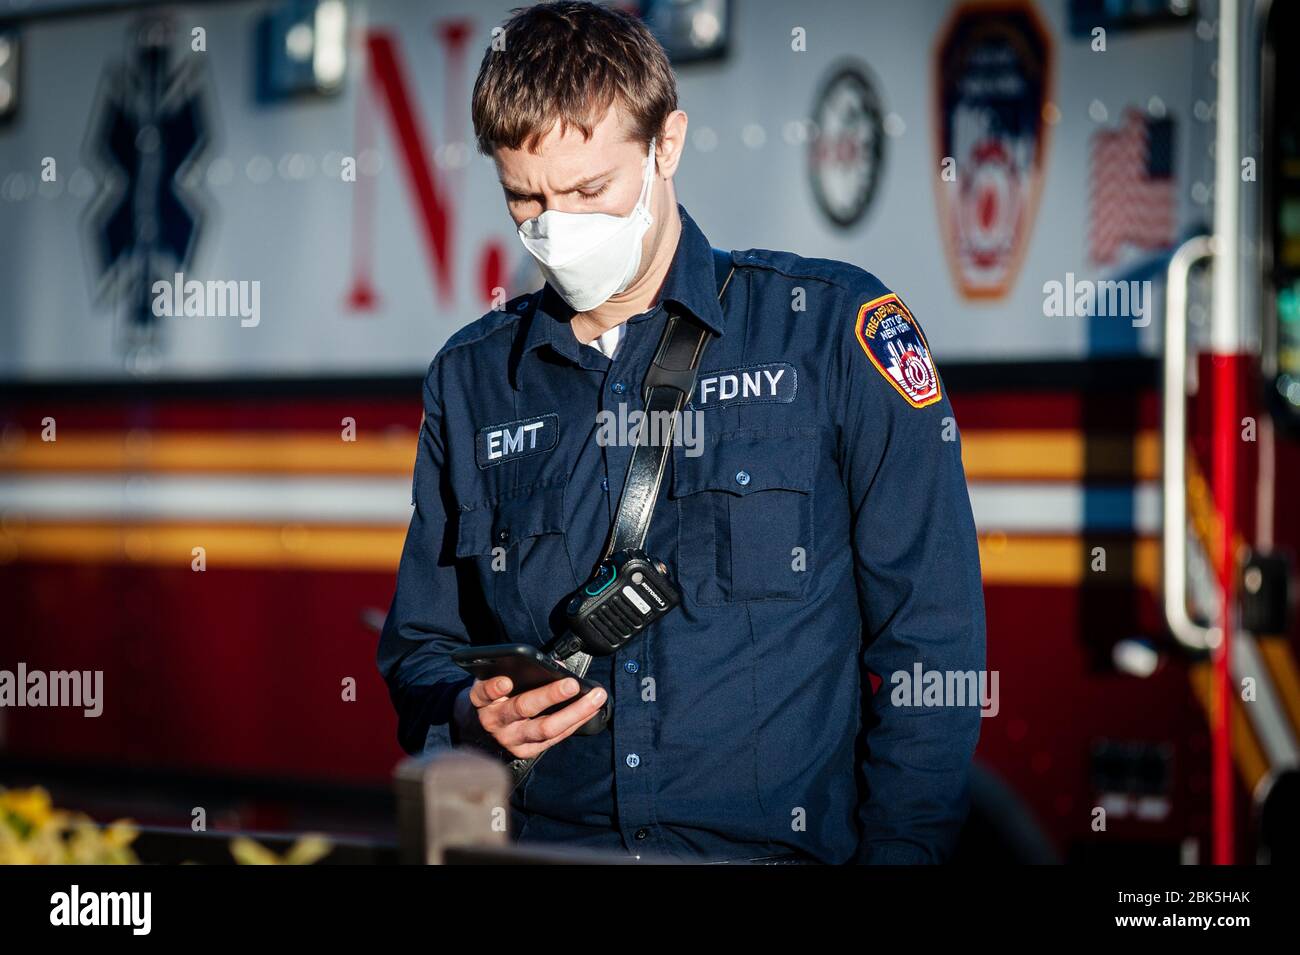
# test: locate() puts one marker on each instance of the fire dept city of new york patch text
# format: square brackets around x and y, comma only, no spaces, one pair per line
[893,341]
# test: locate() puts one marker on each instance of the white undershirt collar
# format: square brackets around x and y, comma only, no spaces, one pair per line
[607,343]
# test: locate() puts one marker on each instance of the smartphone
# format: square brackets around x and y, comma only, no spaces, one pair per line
[528,668]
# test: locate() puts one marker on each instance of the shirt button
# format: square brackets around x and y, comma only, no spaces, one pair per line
[618,387]
[631,666]
[503,535]
[633,760]
[742,478]
[604,484]
[641,834]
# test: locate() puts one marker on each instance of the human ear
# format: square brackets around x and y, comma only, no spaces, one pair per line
[670,142]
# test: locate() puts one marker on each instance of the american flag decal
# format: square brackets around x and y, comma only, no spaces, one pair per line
[1132,186]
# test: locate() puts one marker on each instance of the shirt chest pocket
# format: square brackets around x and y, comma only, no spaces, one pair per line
[745,516]
[514,546]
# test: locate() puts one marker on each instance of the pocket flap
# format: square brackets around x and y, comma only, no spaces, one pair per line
[742,462]
[501,521]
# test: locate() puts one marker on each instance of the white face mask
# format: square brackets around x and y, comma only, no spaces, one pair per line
[589,256]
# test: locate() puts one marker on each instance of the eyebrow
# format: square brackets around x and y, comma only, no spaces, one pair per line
[574,188]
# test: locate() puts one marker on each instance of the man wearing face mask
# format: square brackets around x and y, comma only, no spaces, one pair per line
[819,531]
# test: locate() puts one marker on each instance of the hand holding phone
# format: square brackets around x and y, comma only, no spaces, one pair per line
[523,701]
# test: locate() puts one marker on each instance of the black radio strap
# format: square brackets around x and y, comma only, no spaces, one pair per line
[667,387]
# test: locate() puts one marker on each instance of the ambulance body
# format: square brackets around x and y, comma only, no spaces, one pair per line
[232,236]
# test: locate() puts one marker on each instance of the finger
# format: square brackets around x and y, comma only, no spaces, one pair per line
[553,728]
[484,692]
[503,711]
[527,705]
[528,737]
[577,724]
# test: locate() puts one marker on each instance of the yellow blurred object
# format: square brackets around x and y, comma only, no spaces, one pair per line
[33,832]
[305,851]
[32,806]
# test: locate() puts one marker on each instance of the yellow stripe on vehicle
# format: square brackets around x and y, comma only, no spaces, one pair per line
[388,452]
[1060,455]
[224,546]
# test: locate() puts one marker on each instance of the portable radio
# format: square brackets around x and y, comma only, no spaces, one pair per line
[628,591]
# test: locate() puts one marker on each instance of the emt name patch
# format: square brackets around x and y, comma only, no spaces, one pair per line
[893,341]
[498,443]
[747,385]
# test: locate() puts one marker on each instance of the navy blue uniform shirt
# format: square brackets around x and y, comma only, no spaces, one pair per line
[818,524]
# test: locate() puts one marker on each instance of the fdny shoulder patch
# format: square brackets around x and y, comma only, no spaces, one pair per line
[893,341]
[498,443]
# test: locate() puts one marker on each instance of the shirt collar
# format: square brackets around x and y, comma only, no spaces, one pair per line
[690,283]
[691,280]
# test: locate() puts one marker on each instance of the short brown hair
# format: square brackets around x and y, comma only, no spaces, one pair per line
[568,62]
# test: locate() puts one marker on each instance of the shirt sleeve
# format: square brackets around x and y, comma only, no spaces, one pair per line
[916,564]
[424,624]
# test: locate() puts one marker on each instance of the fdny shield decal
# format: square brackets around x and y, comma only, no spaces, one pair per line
[893,341]
[994,81]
